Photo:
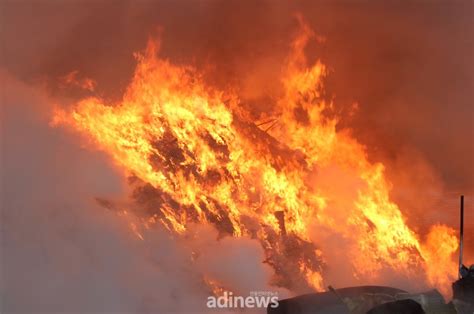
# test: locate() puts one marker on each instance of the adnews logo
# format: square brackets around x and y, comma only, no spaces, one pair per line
[255,299]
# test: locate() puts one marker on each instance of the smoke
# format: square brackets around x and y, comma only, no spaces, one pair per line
[408,65]
[62,253]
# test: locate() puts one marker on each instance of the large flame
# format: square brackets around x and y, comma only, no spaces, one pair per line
[196,157]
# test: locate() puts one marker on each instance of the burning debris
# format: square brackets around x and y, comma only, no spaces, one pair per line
[386,300]
[194,155]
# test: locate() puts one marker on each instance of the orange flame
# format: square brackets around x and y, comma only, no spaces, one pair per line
[193,149]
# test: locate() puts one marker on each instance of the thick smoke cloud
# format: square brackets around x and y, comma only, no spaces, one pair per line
[408,65]
[61,252]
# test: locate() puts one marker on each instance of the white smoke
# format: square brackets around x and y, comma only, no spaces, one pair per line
[61,252]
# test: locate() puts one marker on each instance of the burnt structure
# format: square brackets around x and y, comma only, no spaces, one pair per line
[346,300]
[463,288]
[407,306]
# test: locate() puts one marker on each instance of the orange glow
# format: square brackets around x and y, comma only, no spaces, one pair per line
[71,79]
[209,163]
[216,288]
[440,244]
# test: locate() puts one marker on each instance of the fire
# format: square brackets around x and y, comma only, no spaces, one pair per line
[216,288]
[195,156]
[440,243]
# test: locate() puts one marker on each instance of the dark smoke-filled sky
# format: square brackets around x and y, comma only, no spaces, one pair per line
[408,65]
